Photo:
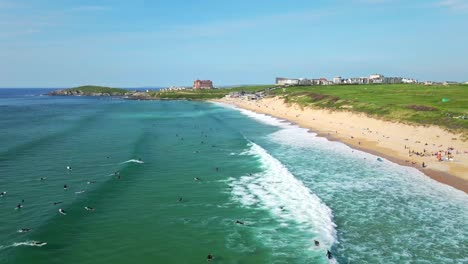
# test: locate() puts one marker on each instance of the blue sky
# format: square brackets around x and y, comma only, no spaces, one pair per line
[63,43]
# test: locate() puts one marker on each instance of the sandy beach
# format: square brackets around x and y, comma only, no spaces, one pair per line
[443,154]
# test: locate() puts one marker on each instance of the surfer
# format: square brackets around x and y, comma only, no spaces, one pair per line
[91,182]
[39,243]
[180,199]
[239,222]
[196,178]
[80,192]
[316,243]
[19,206]
[89,208]
[65,186]
[329,255]
[43,178]
[2,194]
[61,211]
[24,230]
[209,257]
[69,168]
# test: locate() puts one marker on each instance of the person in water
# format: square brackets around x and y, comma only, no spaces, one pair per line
[316,243]
[55,203]
[209,257]
[65,186]
[329,255]
[196,178]
[239,222]
[69,168]
[61,211]
[24,230]
[2,194]
[19,206]
[89,208]
[180,199]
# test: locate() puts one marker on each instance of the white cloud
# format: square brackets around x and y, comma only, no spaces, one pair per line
[455,5]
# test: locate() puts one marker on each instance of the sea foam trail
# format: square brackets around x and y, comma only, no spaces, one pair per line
[132,161]
[30,243]
[277,190]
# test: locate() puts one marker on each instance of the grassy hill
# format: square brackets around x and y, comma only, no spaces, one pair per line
[92,89]
[446,106]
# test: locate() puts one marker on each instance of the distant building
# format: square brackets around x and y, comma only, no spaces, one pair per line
[393,80]
[286,81]
[409,80]
[202,84]
[337,80]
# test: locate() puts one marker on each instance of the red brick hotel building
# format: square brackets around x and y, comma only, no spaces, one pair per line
[202,84]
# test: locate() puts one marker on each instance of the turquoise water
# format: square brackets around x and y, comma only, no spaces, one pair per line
[287,186]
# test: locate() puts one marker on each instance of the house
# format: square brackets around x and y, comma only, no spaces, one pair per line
[286,81]
[202,84]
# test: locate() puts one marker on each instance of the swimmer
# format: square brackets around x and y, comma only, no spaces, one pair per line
[329,255]
[239,222]
[89,208]
[61,211]
[316,243]
[24,230]
[65,186]
[3,194]
[180,199]
[55,203]
[209,257]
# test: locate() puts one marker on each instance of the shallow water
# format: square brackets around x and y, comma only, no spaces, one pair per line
[287,186]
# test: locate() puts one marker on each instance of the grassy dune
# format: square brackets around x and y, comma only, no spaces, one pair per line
[399,102]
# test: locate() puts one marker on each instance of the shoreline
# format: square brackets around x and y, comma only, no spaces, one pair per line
[364,133]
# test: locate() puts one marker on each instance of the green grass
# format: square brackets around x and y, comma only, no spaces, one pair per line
[206,94]
[411,103]
[89,89]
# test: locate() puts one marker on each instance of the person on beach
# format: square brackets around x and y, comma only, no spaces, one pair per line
[424,165]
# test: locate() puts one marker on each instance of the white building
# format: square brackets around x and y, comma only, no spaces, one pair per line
[337,80]
[287,81]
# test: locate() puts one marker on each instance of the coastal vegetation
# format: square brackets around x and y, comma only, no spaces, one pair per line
[445,106]
[91,90]
[205,94]
[442,105]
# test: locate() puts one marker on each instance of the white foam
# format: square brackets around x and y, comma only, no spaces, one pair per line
[30,243]
[133,161]
[276,187]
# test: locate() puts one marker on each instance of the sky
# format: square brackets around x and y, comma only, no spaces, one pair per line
[143,43]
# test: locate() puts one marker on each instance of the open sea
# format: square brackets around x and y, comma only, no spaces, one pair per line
[166,181]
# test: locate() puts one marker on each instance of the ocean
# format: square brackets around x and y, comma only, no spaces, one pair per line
[174,181]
